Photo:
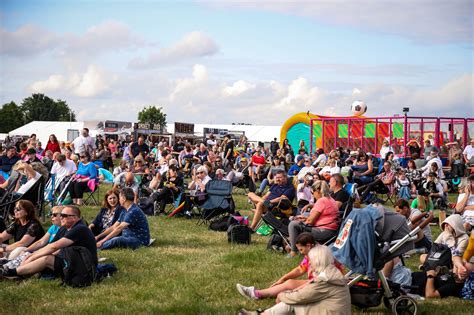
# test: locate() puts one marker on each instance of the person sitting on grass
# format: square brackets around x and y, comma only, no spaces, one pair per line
[108,214]
[18,255]
[280,194]
[323,220]
[465,204]
[289,281]
[326,293]
[51,257]
[131,229]
[454,236]
[25,230]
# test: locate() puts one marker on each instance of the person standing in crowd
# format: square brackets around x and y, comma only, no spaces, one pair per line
[52,145]
[84,143]
[274,146]
[139,148]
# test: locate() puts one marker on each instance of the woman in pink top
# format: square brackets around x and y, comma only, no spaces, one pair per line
[323,220]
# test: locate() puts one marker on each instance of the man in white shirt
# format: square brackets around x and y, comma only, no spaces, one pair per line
[84,143]
[63,167]
[468,153]
[434,158]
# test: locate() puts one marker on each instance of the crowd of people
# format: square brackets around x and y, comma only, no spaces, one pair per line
[305,188]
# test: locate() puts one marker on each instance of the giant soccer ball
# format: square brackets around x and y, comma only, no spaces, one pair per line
[358,108]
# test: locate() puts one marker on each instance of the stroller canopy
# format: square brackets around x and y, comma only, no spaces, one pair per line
[365,237]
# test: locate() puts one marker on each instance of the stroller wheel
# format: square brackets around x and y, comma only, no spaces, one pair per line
[404,305]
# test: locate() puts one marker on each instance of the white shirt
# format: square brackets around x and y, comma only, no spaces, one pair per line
[468,152]
[24,188]
[322,158]
[330,170]
[83,144]
[305,170]
[61,171]
[384,150]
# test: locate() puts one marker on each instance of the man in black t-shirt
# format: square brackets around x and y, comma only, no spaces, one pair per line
[139,147]
[76,234]
[338,193]
[431,285]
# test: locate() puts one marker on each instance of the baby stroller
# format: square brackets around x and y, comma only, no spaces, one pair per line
[368,239]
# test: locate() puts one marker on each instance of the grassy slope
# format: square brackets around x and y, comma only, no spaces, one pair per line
[188,270]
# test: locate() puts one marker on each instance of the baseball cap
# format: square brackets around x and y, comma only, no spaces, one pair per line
[299,158]
[31,151]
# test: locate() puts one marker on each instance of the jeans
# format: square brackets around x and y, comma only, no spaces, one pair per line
[122,242]
[263,185]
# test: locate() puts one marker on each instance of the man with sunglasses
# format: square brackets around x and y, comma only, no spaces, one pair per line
[76,233]
[131,230]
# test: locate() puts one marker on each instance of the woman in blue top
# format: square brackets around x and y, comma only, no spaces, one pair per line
[109,214]
[86,171]
[362,170]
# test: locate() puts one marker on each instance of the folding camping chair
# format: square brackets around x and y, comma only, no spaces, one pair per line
[219,200]
[35,194]
[93,197]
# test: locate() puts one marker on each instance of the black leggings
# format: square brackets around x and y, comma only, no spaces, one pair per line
[77,189]
[162,197]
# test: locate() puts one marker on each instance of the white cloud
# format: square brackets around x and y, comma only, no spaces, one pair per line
[107,36]
[53,83]
[29,40]
[93,82]
[431,21]
[239,87]
[201,97]
[192,45]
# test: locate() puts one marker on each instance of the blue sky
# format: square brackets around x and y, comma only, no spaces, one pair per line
[222,61]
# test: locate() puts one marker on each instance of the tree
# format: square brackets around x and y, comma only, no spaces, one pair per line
[11,117]
[153,115]
[43,108]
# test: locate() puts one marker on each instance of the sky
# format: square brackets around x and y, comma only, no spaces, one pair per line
[255,62]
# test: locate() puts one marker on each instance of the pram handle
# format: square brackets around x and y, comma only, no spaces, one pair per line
[412,236]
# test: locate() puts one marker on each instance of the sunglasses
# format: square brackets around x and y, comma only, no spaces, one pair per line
[200,173]
[54,215]
[82,156]
[17,209]
[64,215]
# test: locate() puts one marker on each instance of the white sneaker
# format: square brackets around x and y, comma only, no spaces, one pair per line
[248,292]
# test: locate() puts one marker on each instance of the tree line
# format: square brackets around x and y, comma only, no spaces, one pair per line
[43,108]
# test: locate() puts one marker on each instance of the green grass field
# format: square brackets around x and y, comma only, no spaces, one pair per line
[188,270]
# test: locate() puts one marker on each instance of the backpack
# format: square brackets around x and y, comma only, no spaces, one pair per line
[105,271]
[147,206]
[79,269]
[220,224]
[438,256]
[239,234]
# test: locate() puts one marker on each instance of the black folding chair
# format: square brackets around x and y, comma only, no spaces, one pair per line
[35,194]
[219,200]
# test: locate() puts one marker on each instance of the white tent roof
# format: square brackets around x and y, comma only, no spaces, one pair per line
[43,129]
[252,132]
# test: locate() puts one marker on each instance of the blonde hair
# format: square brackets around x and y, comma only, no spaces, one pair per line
[322,187]
[320,257]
